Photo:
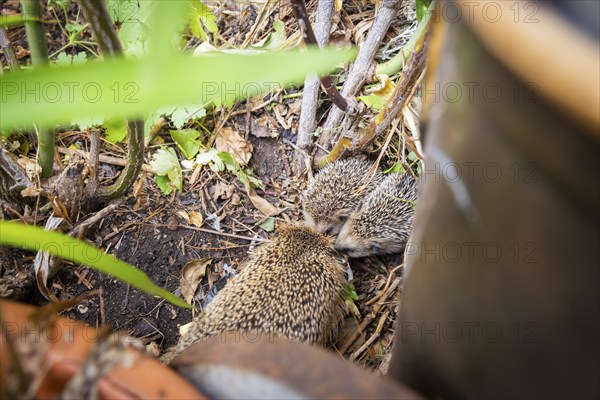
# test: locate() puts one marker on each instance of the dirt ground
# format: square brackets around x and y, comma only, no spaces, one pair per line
[148,231]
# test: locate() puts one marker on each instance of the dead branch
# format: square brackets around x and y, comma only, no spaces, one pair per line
[310,95]
[361,69]
[383,120]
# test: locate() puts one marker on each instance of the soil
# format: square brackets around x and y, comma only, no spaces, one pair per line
[149,231]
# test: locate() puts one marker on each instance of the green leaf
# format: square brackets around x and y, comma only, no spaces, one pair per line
[199,17]
[34,238]
[116,131]
[130,87]
[74,29]
[166,163]
[67,59]
[421,7]
[349,292]
[373,101]
[87,123]
[211,158]
[132,17]
[274,40]
[163,183]
[181,115]
[268,224]
[185,139]
[397,167]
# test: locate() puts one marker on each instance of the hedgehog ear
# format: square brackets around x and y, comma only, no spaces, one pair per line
[343,216]
[375,247]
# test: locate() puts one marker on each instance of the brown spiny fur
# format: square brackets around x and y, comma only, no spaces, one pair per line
[336,191]
[291,287]
[382,225]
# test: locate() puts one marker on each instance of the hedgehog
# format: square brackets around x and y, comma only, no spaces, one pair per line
[382,224]
[291,287]
[336,191]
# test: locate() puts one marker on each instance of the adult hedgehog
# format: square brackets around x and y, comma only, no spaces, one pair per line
[291,287]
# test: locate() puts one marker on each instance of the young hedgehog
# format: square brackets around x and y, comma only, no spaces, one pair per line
[291,287]
[382,225]
[335,192]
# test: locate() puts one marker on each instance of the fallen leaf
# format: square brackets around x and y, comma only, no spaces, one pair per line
[191,275]
[43,266]
[266,208]
[196,218]
[232,142]
[295,107]
[184,215]
[21,52]
[268,224]
[263,127]
[31,191]
[222,191]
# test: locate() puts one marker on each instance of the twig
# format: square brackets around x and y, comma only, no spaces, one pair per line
[387,284]
[310,39]
[374,336]
[360,69]
[8,51]
[80,230]
[402,94]
[310,95]
[370,317]
[232,235]
[103,158]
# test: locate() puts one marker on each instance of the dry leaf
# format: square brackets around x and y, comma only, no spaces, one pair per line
[230,141]
[184,215]
[184,328]
[222,191]
[295,107]
[31,191]
[196,218]
[191,275]
[263,127]
[266,208]
[43,266]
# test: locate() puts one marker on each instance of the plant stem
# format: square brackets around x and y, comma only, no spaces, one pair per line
[396,63]
[110,46]
[36,38]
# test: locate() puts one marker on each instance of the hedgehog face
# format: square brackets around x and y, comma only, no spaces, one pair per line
[354,246]
[327,226]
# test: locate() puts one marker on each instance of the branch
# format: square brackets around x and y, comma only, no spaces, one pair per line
[360,68]
[8,51]
[310,95]
[309,38]
[382,121]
